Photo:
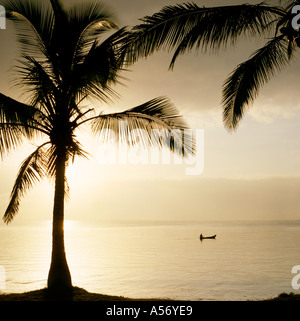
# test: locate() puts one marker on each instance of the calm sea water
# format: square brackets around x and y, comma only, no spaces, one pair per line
[248,260]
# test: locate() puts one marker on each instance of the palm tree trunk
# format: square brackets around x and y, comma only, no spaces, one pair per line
[59,278]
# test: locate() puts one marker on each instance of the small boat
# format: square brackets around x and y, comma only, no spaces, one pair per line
[207,237]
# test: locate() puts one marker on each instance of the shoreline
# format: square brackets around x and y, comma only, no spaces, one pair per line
[81,295]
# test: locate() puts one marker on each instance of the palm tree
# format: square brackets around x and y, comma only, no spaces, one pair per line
[187,26]
[65,59]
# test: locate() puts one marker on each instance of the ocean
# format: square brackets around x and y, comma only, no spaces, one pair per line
[248,260]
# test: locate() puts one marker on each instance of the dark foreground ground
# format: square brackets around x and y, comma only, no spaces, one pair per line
[80,294]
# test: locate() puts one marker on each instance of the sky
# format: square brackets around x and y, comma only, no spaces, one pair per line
[253,173]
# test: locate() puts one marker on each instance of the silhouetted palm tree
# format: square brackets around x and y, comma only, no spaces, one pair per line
[64,61]
[187,26]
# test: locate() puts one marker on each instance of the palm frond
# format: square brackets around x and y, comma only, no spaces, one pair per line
[90,19]
[40,83]
[10,138]
[242,86]
[187,25]
[13,111]
[151,125]
[75,30]
[100,69]
[58,7]
[32,170]
[34,22]
[73,150]
[16,122]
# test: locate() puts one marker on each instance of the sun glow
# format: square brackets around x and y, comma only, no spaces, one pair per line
[68,224]
[74,174]
[86,175]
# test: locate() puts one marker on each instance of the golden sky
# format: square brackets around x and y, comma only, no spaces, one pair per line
[253,173]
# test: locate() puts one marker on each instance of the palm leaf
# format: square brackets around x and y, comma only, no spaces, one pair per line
[62,35]
[10,138]
[15,123]
[13,111]
[34,22]
[38,78]
[242,86]
[99,69]
[95,65]
[32,170]
[187,25]
[90,19]
[71,152]
[151,124]
[37,165]
[75,30]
